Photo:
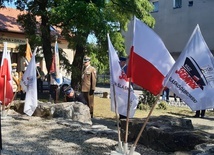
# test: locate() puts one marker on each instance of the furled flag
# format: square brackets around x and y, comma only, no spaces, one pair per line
[192,76]
[54,71]
[149,60]
[121,83]
[6,90]
[29,84]
[28,53]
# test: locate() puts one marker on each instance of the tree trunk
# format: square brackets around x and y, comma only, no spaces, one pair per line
[77,67]
[46,37]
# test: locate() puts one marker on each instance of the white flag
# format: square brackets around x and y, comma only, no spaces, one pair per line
[29,84]
[121,84]
[192,76]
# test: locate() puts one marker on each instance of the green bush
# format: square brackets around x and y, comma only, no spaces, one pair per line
[162,105]
[149,98]
[143,106]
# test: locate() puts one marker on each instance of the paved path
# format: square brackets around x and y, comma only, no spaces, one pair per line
[205,124]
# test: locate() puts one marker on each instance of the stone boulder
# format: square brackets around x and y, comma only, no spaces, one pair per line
[166,133]
[76,111]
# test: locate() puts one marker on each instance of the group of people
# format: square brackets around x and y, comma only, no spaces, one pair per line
[88,84]
[16,79]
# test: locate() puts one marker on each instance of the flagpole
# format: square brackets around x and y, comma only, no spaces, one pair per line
[117,119]
[127,118]
[12,100]
[3,104]
[144,125]
[3,110]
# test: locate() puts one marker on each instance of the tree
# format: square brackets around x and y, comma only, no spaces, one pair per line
[79,19]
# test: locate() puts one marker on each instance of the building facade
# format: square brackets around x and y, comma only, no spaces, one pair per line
[176,20]
[12,33]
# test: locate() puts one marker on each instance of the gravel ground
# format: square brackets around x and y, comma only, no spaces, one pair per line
[24,135]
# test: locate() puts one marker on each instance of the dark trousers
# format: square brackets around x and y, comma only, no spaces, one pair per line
[23,94]
[166,92]
[122,117]
[90,102]
[53,90]
[200,112]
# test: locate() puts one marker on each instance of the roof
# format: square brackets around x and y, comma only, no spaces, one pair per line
[8,21]
[8,17]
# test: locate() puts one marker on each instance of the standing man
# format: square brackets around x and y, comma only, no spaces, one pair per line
[124,67]
[15,77]
[88,83]
[123,64]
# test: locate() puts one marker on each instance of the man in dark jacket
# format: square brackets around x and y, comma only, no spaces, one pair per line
[72,96]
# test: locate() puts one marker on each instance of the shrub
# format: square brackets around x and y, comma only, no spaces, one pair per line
[143,106]
[162,105]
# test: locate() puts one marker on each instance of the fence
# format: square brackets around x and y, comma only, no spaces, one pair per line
[103,79]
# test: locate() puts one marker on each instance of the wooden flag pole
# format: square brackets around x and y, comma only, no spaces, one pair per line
[3,104]
[117,119]
[144,125]
[127,118]
[14,96]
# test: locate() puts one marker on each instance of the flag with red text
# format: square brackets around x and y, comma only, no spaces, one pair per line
[121,83]
[192,76]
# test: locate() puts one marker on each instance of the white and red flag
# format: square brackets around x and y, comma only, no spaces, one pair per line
[120,81]
[192,76]
[149,60]
[54,70]
[29,84]
[6,90]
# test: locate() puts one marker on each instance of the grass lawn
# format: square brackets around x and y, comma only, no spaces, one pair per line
[102,109]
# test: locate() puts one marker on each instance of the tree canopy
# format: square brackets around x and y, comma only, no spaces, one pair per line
[78,20]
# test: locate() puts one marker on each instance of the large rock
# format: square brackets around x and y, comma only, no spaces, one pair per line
[166,133]
[76,111]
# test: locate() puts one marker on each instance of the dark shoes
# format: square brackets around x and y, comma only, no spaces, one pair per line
[196,116]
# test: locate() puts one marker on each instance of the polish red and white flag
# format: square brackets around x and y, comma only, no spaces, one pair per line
[6,90]
[149,59]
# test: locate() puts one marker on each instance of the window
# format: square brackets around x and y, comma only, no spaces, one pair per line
[177,4]
[156,6]
[190,3]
